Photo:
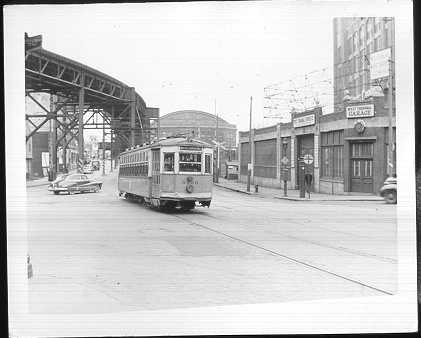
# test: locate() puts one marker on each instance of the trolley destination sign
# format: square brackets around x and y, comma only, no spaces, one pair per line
[366,110]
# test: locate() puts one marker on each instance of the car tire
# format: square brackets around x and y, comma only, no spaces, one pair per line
[390,197]
[96,189]
[56,192]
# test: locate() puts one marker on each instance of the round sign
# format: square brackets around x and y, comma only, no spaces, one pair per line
[284,160]
[308,159]
[359,126]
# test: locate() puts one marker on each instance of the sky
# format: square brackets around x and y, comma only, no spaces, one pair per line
[192,55]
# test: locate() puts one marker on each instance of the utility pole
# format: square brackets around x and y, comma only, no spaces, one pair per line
[103,144]
[249,164]
[390,165]
[217,147]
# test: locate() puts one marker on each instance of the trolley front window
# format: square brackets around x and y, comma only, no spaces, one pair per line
[190,162]
[168,161]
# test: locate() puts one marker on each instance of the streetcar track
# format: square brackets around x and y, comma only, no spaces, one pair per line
[297,261]
[324,245]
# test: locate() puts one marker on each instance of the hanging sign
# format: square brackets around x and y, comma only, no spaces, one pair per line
[365,110]
[303,121]
[379,64]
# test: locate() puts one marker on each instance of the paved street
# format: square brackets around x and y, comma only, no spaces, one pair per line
[97,252]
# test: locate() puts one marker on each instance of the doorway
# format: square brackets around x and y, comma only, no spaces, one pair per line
[305,146]
[361,167]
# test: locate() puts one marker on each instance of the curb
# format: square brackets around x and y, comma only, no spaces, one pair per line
[234,189]
[37,185]
[305,199]
[362,199]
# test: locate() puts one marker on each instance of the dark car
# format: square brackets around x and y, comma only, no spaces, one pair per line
[74,183]
[388,190]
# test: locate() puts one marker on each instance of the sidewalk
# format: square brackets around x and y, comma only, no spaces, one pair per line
[37,182]
[292,195]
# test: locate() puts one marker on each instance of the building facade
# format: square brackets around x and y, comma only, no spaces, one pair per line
[206,127]
[351,150]
[361,46]
[346,152]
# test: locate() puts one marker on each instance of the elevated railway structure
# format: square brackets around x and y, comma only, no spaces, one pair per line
[80,94]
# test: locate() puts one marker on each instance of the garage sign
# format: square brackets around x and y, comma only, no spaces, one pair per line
[365,110]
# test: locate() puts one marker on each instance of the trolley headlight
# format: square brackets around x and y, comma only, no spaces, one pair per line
[189,179]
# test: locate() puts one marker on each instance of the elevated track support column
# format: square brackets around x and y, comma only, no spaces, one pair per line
[132,116]
[80,143]
[53,141]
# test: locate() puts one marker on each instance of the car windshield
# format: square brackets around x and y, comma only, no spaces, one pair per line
[61,178]
[73,178]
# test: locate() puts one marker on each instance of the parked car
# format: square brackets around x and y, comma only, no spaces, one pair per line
[388,190]
[74,183]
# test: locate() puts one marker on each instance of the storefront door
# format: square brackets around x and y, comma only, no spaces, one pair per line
[305,146]
[362,167]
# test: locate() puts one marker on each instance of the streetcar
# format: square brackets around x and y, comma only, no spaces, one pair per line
[175,172]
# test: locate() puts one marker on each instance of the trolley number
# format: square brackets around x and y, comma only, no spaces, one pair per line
[193,182]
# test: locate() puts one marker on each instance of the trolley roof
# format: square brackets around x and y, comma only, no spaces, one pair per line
[172,141]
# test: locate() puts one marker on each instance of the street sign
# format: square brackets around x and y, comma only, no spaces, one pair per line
[308,159]
[284,160]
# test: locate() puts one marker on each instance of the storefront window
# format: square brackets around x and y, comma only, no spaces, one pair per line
[168,161]
[332,154]
[190,162]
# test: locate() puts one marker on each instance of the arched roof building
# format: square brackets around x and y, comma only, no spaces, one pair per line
[201,124]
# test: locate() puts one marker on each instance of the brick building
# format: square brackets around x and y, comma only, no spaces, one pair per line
[348,153]
[359,44]
[348,150]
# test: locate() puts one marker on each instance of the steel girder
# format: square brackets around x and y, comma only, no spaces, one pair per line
[54,74]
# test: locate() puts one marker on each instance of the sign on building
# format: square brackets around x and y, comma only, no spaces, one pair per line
[45,159]
[303,121]
[365,110]
[379,64]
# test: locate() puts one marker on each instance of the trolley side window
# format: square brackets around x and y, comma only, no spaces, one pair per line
[208,163]
[190,162]
[168,161]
